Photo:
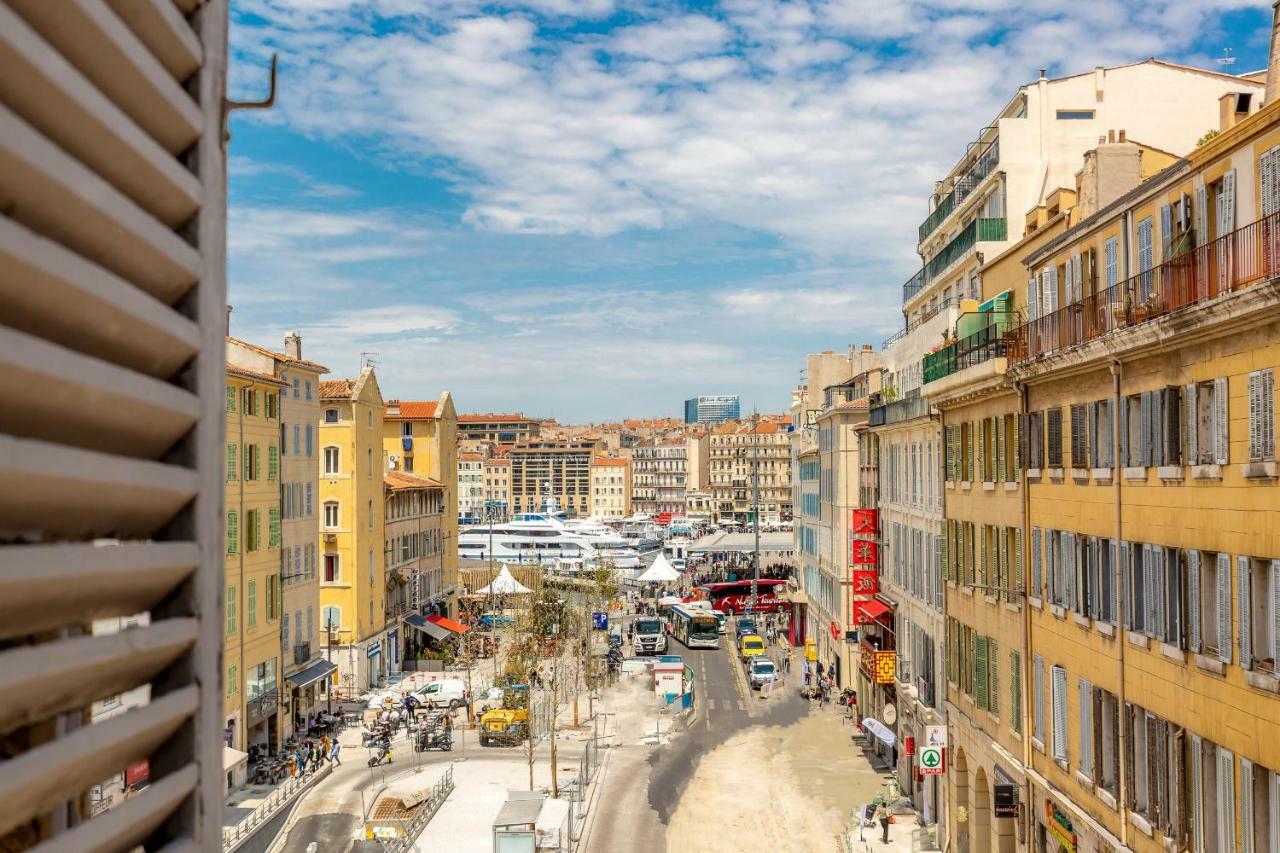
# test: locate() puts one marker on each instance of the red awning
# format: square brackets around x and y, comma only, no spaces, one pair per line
[866,612]
[447,623]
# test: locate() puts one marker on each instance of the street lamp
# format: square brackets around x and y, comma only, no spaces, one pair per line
[328,655]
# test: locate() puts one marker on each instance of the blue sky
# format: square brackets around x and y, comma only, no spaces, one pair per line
[590,209]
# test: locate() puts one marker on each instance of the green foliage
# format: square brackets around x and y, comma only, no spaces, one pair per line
[1210,134]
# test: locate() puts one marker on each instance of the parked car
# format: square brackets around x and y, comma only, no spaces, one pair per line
[743,627]
[678,564]
[445,693]
[760,672]
[750,646]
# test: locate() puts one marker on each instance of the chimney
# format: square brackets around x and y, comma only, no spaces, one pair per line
[1273,58]
[1121,136]
[1111,136]
[866,347]
[293,346]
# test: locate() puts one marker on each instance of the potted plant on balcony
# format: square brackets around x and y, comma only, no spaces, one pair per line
[1120,310]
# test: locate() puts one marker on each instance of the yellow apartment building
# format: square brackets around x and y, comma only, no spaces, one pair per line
[421,438]
[610,487]
[306,672]
[1148,447]
[251,650]
[352,565]
[413,552]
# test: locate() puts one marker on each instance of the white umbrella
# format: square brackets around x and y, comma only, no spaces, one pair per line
[661,571]
[504,584]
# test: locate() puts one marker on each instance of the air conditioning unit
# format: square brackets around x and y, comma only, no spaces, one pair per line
[330,537]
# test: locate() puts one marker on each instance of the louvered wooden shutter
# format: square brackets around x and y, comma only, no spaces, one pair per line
[112,249]
[1124,449]
[1166,231]
[1193,600]
[1053,419]
[1037,684]
[1226,800]
[1033,298]
[1094,578]
[1244,611]
[980,671]
[1037,576]
[1079,280]
[1058,687]
[1019,450]
[1196,762]
[1018,577]
[980,450]
[1001,466]
[1068,280]
[1051,290]
[1015,690]
[1094,461]
[993,676]
[1221,444]
[1086,728]
[1126,569]
[1227,203]
[1223,595]
[1190,424]
[1144,414]
[1202,233]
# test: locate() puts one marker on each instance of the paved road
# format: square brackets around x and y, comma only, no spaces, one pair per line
[636,805]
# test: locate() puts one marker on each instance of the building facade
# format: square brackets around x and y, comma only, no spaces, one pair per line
[742,456]
[352,564]
[252,649]
[471,497]
[413,552]
[610,487]
[659,477]
[497,428]
[497,487]
[712,409]
[552,470]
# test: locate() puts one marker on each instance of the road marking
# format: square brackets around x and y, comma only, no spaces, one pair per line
[741,707]
[711,704]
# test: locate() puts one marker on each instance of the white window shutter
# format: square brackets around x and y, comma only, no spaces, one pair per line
[1244,610]
[1114,575]
[1224,607]
[1166,231]
[1193,599]
[1246,806]
[1199,214]
[1228,202]
[1059,696]
[1037,677]
[1051,290]
[1221,443]
[1197,794]
[1126,569]
[1033,298]
[1148,590]
[1274,593]
[1068,280]
[1155,571]
[1079,283]
[1095,578]
[1226,800]
[1037,575]
[1273,807]
[1191,424]
[1086,729]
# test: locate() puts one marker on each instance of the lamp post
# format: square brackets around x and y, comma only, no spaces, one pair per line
[328,654]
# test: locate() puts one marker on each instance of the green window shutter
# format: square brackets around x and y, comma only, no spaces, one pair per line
[1017,457]
[1001,423]
[253,603]
[231,398]
[983,577]
[980,451]
[946,551]
[273,462]
[233,532]
[232,678]
[231,461]
[1015,690]
[257,402]
[979,669]
[1003,533]
[257,529]
[257,462]
[968,451]
[273,528]
[231,610]
[993,676]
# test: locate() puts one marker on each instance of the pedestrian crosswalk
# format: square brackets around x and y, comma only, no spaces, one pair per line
[726,705]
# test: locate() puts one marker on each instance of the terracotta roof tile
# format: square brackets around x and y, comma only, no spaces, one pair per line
[470,457]
[397,480]
[610,462]
[336,389]
[289,359]
[236,370]
[411,410]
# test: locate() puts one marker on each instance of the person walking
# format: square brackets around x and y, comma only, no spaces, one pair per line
[333,753]
[786,662]
[882,815]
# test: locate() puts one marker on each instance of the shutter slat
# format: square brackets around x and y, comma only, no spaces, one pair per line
[164,32]
[1224,607]
[1221,443]
[1193,599]
[1244,610]
[129,824]
[1191,421]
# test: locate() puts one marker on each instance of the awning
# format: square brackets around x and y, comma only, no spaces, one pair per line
[880,730]
[448,624]
[312,673]
[868,611]
[232,757]
[415,621]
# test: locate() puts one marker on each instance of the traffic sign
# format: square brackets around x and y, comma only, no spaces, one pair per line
[932,761]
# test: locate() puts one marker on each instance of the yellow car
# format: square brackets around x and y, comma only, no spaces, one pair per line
[750,646]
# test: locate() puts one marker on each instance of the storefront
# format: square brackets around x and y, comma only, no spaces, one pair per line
[262,709]
[309,692]
[1063,827]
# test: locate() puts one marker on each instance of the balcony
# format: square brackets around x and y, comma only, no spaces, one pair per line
[301,653]
[1245,257]
[914,285]
[964,187]
[908,408]
[987,343]
[927,313]
[977,231]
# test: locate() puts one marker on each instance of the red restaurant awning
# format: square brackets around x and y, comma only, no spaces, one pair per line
[868,611]
[447,623]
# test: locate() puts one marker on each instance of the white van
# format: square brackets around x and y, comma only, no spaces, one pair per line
[444,693]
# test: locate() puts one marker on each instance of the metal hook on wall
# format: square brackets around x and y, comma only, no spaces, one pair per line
[229,106]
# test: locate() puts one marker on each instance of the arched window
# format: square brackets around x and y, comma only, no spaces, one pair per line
[331,460]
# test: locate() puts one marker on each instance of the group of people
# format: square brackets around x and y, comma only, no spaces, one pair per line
[819,682]
[311,753]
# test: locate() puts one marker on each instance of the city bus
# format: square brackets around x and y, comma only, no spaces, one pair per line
[695,627]
[731,596]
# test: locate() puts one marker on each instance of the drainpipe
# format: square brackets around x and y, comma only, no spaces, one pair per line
[1028,822]
[1121,640]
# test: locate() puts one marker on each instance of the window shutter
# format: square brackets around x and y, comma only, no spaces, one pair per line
[1226,800]
[980,450]
[1244,610]
[1070,569]
[1033,298]
[273,462]
[1068,281]
[257,462]
[1037,576]
[1051,290]
[1002,534]
[1095,576]
[231,398]
[1037,685]
[231,461]
[1246,806]
[1086,728]
[1255,419]
[1202,232]
[1019,452]
[1171,422]
[1227,203]
[1166,231]
[1093,436]
[1015,690]
[1017,573]
[1079,279]
[1190,424]
[968,451]
[980,670]
[1123,415]
[233,532]
[1059,696]
[1144,411]
[1224,607]
[946,550]
[1155,571]
[993,676]
[1001,467]
[1268,414]
[1273,810]
[1274,593]
[1221,445]
[1196,762]
[1193,599]
[1126,568]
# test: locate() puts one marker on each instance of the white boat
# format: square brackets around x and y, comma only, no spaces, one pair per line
[610,546]
[524,540]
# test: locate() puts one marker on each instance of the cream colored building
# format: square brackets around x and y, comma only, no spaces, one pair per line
[497,486]
[610,487]
[413,553]
[736,451]
[352,563]
[559,470]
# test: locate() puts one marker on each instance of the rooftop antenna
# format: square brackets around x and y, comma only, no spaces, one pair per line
[1226,58]
[368,358]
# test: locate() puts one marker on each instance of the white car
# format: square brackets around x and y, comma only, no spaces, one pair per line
[678,564]
[444,693]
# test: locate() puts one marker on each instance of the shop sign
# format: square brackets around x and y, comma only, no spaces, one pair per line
[935,736]
[878,666]
[865,582]
[1004,800]
[835,631]
[890,714]
[851,636]
[137,773]
[933,761]
[909,745]
[1060,826]
[864,553]
[372,650]
[865,522]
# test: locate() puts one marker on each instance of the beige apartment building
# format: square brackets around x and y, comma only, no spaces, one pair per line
[610,487]
[497,486]
[659,477]
[497,428]
[736,451]
[544,470]
[471,498]
[305,671]
[414,509]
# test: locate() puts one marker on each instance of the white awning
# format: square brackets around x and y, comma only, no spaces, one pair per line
[232,757]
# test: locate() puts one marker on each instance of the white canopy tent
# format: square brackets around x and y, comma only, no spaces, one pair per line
[660,572]
[504,584]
